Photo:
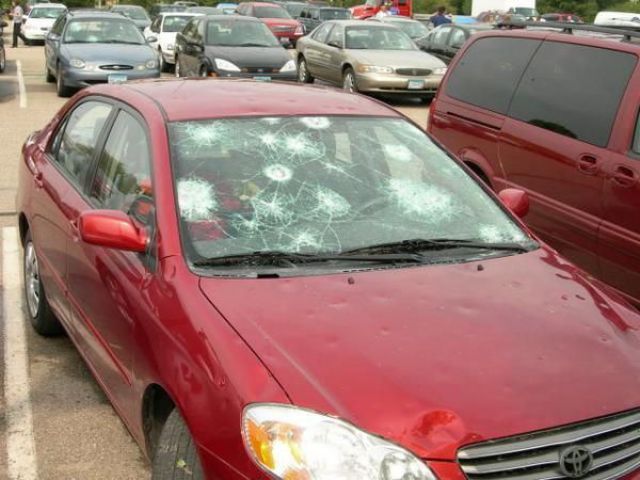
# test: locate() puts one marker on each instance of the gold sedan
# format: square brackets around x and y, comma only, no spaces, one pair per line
[368,57]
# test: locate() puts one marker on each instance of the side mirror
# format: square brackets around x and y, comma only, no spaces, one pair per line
[152,39]
[515,200]
[53,37]
[112,229]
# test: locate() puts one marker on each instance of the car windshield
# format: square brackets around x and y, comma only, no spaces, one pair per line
[175,23]
[103,31]
[376,38]
[171,8]
[240,33]
[294,9]
[271,12]
[334,14]
[322,185]
[527,12]
[134,13]
[413,29]
[46,12]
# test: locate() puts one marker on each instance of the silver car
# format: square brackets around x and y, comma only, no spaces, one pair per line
[88,47]
[368,57]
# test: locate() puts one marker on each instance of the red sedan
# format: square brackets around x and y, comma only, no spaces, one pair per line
[288,282]
[285,28]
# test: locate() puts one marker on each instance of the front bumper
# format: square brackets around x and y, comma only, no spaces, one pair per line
[79,78]
[286,77]
[169,56]
[35,34]
[397,84]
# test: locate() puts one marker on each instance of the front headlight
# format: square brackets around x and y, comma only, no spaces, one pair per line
[440,71]
[151,64]
[77,63]
[226,65]
[374,69]
[170,46]
[290,442]
[290,66]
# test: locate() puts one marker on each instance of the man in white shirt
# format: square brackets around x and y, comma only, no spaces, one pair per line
[16,14]
[383,12]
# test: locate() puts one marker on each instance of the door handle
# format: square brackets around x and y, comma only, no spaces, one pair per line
[37,179]
[624,176]
[588,164]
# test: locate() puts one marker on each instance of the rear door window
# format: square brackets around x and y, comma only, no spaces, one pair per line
[489,72]
[322,33]
[574,90]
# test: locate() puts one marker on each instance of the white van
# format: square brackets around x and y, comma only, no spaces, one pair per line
[40,20]
[618,19]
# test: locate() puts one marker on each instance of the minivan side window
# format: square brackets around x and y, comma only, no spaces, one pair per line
[574,90]
[489,72]
[75,143]
[636,138]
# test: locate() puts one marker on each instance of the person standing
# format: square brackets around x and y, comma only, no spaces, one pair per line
[440,18]
[16,14]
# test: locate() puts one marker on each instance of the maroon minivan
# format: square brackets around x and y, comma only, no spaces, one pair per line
[556,114]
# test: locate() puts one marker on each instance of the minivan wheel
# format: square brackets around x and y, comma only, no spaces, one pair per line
[303,72]
[62,89]
[349,81]
[176,456]
[42,318]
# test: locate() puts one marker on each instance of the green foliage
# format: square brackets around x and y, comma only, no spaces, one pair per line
[587,9]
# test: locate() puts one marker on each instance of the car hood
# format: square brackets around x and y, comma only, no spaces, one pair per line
[280,22]
[271,57]
[441,356]
[106,53]
[40,22]
[396,58]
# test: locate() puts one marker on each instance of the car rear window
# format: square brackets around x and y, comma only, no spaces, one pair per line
[489,72]
[574,90]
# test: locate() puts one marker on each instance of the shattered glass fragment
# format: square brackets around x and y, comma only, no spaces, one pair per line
[196,199]
[278,173]
[317,123]
[398,152]
[423,200]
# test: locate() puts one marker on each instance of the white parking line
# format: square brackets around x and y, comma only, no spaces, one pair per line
[21,88]
[21,451]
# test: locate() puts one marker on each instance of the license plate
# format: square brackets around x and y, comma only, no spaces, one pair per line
[284,39]
[116,78]
[262,78]
[416,84]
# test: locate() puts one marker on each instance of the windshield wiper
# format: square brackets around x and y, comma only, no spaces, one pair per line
[124,42]
[291,259]
[254,45]
[420,244]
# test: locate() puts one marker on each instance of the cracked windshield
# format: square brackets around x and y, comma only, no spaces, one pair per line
[322,185]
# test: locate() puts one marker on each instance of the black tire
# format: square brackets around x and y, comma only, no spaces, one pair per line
[176,456]
[43,321]
[47,73]
[204,71]
[177,70]
[61,88]
[164,66]
[349,83]
[3,59]
[303,72]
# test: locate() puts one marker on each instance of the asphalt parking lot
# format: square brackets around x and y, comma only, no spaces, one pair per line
[61,425]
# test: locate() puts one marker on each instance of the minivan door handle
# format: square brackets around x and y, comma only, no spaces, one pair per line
[624,176]
[588,164]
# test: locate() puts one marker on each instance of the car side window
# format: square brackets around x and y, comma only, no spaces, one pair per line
[440,36]
[322,32]
[315,14]
[124,171]
[303,13]
[155,26]
[199,32]
[457,38]
[574,90]
[75,144]
[488,73]
[59,24]
[335,38]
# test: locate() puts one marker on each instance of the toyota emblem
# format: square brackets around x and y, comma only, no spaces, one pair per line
[575,462]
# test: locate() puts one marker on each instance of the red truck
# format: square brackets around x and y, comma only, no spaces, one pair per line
[371,7]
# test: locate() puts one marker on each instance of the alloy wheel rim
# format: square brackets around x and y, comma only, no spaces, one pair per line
[349,84]
[302,71]
[177,68]
[32,279]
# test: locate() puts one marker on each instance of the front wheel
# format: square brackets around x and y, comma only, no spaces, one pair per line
[62,89]
[47,73]
[204,71]
[178,69]
[42,318]
[349,81]
[164,67]
[176,457]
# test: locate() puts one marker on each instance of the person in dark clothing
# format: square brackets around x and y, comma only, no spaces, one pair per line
[17,14]
[440,18]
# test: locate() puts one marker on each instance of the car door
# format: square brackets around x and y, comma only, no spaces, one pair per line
[63,171]
[455,41]
[333,54]
[52,43]
[105,284]
[554,143]
[438,44]
[619,239]
[189,53]
[315,51]
[153,30]
[314,18]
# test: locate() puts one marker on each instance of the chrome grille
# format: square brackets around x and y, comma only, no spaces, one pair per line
[413,72]
[613,441]
[283,28]
[116,67]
